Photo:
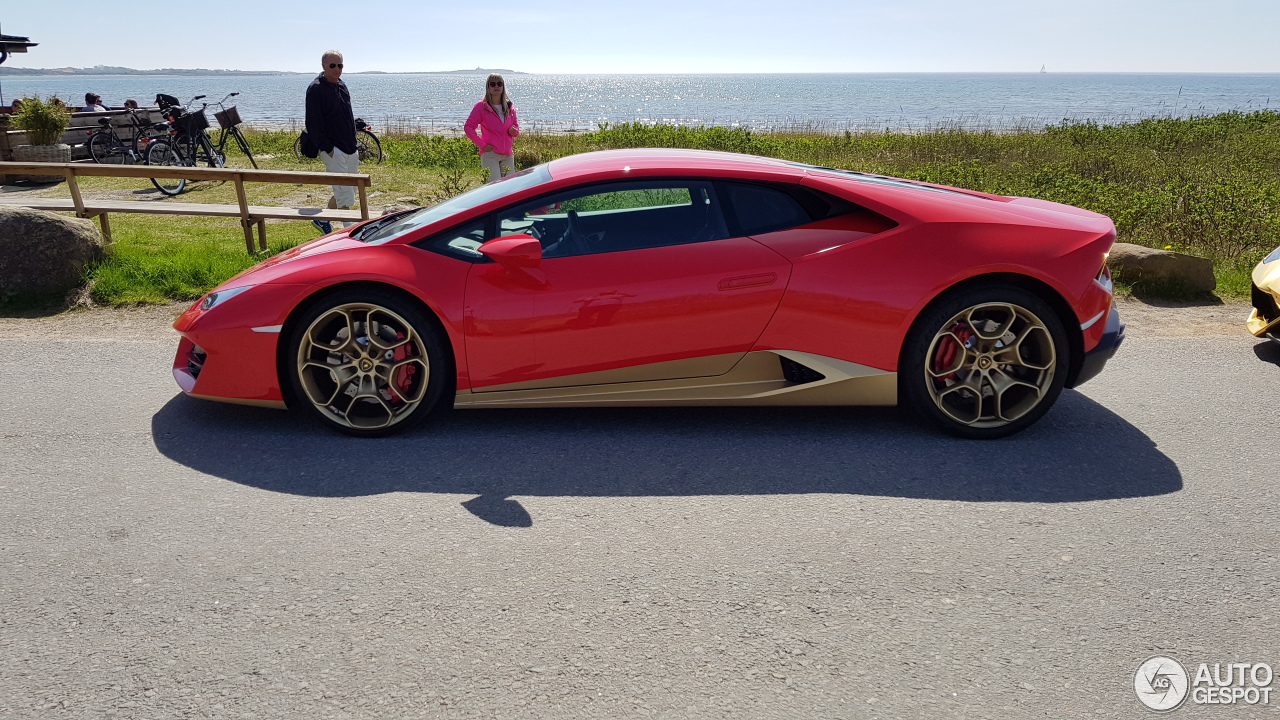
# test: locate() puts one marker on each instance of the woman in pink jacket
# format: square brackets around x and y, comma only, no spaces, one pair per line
[495,119]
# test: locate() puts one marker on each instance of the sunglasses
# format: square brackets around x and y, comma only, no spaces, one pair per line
[495,84]
[334,65]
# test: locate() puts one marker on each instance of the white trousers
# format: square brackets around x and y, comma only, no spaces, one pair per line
[344,196]
[497,165]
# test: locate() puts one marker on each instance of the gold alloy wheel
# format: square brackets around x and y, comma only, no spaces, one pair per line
[990,365]
[363,366]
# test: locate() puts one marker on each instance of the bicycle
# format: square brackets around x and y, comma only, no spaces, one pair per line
[188,143]
[106,147]
[228,123]
[367,144]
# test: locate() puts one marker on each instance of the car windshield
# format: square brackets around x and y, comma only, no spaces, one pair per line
[509,185]
[881,179]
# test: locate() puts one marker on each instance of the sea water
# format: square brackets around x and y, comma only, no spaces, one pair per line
[824,102]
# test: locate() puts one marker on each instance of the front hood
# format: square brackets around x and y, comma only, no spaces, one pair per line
[264,270]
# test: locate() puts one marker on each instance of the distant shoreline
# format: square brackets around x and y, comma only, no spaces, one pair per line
[101,70]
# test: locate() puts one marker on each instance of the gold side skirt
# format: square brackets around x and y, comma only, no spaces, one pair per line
[755,379]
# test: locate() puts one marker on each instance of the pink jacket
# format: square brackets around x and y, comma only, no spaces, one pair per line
[493,129]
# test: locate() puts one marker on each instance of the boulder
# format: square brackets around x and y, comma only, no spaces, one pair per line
[1136,263]
[43,252]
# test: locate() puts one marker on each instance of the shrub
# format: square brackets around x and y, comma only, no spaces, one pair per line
[45,122]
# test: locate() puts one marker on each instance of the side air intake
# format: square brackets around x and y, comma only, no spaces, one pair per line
[794,372]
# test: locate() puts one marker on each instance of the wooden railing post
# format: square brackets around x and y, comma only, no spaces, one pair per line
[246,222]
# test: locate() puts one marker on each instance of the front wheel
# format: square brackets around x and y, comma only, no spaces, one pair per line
[369,147]
[367,363]
[209,154]
[244,146]
[165,153]
[985,363]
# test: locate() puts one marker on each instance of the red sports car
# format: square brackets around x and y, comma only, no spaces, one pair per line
[668,277]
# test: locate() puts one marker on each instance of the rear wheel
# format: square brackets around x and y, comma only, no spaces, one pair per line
[166,154]
[105,148]
[369,147]
[985,363]
[367,363]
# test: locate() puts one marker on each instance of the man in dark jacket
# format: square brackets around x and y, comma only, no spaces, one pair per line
[331,125]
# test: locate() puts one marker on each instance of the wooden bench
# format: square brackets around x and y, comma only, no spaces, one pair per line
[250,215]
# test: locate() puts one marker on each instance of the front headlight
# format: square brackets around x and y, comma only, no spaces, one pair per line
[1274,256]
[215,299]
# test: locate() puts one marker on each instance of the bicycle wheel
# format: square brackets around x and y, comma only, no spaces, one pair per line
[106,149]
[165,153]
[297,150]
[208,154]
[369,147]
[244,145]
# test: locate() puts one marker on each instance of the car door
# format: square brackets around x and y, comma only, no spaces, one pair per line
[639,281]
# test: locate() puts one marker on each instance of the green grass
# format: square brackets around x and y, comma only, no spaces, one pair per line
[1208,186]
[158,259]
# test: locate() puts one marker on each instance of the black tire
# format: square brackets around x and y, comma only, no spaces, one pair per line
[959,374]
[165,153]
[106,149]
[369,147]
[208,154]
[297,150]
[384,390]
[244,146]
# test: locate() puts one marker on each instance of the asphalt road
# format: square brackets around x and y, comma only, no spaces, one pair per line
[162,557]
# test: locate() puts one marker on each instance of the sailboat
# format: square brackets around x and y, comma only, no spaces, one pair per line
[1041,68]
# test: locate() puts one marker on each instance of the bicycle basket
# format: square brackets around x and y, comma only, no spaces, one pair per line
[229,117]
[166,101]
[191,123]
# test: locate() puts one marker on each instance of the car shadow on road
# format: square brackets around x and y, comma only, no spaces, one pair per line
[1268,351]
[1079,452]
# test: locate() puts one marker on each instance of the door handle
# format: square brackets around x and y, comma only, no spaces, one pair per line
[746,281]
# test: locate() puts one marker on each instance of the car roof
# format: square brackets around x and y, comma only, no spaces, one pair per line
[673,160]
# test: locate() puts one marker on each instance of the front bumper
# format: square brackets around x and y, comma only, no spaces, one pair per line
[1264,321]
[1096,359]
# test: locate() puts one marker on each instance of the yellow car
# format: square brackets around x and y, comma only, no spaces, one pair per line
[1265,320]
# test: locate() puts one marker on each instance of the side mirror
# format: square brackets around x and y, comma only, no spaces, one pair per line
[514,252]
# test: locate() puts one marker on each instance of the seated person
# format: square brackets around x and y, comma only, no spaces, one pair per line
[92,103]
[131,104]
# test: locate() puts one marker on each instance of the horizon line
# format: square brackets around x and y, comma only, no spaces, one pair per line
[87,71]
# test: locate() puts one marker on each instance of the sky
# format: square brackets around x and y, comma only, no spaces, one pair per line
[667,36]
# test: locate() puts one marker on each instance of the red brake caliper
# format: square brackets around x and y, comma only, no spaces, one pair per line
[404,377]
[947,349]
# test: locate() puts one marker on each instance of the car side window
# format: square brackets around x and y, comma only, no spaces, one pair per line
[615,217]
[759,209]
[462,241]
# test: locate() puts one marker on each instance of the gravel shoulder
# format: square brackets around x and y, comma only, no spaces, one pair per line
[153,323]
